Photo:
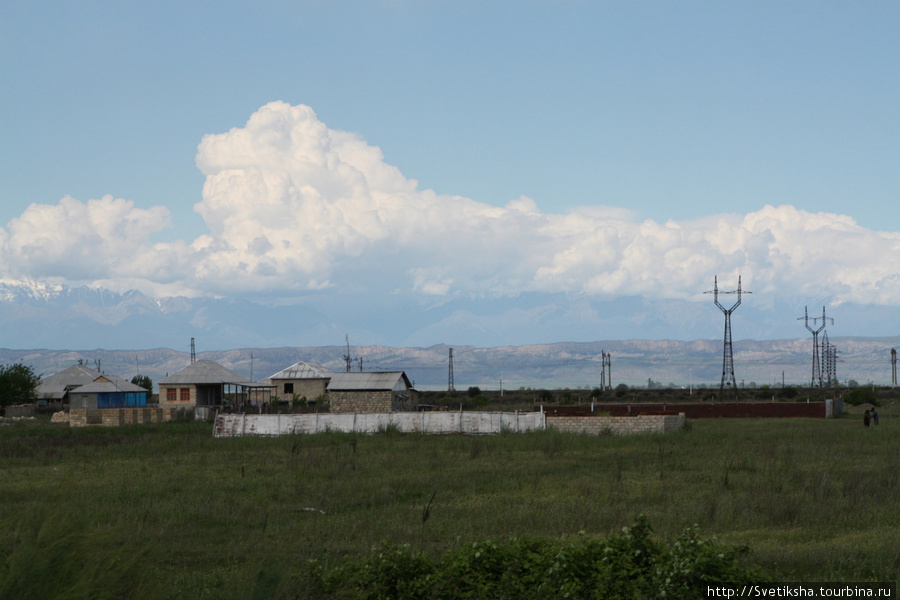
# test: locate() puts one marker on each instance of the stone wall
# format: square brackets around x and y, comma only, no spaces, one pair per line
[111,417]
[361,402]
[617,425]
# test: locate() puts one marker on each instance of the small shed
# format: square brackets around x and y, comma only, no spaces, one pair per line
[56,388]
[301,380]
[388,391]
[108,391]
[203,383]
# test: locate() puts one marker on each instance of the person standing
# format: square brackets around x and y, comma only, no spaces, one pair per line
[866,417]
[874,415]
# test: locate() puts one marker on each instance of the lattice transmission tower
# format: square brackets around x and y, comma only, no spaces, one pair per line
[816,378]
[829,362]
[605,370]
[727,350]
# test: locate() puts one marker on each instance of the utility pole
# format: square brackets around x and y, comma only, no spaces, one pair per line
[727,349]
[347,358]
[450,387]
[893,367]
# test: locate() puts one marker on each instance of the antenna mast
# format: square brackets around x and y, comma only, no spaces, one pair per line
[193,352]
[727,351]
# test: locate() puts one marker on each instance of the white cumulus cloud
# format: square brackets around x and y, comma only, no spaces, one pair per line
[292,205]
[105,237]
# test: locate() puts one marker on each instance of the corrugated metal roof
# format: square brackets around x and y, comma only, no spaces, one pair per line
[54,387]
[108,383]
[205,372]
[366,381]
[303,370]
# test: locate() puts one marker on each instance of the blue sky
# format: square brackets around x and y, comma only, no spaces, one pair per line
[590,117]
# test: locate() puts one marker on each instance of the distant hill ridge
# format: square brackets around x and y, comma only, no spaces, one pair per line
[557,365]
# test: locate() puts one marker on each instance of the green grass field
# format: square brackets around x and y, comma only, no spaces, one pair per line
[166,511]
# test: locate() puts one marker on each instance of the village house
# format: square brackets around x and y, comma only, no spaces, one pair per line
[300,380]
[380,392]
[204,383]
[108,391]
[56,388]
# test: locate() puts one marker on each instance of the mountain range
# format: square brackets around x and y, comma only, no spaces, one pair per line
[256,338]
[541,366]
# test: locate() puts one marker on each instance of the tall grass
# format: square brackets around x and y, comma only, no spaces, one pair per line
[167,511]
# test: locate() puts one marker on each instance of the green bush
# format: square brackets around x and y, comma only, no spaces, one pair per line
[861,395]
[628,564]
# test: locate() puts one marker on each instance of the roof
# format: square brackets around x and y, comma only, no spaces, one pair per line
[205,372]
[55,386]
[108,383]
[304,370]
[387,380]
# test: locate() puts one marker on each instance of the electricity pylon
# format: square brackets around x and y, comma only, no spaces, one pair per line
[816,379]
[727,350]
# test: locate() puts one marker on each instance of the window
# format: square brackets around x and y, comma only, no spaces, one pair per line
[289,388]
[185,394]
[170,395]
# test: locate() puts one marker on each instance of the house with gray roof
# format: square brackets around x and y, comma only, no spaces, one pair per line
[387,391]
[203,383]
[56,388]
[300,380]
[108,391]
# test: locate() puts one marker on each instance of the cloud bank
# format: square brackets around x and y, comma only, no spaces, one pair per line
[293,207]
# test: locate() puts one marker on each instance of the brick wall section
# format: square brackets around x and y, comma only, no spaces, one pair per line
[112,417]
[617,425]
[699,410]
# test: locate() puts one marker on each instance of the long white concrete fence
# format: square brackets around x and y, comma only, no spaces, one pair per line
[232,425]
